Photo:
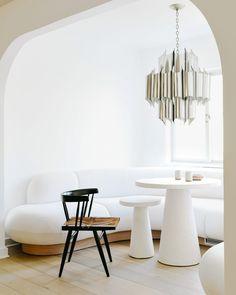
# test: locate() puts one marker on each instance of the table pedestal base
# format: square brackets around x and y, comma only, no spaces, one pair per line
[179,241]
[141,243]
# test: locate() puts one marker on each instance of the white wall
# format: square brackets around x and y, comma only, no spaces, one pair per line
[75,99]
[69,106]
[17,19]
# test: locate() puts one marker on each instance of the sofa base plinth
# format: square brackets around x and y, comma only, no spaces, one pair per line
[55,249]
[86,243]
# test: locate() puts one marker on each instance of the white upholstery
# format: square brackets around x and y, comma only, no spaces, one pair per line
[216,192]
[48,187]
[110,182]
[214,224]
[40,224]
[211,270]
[209,215]
[39,221]
[121,182]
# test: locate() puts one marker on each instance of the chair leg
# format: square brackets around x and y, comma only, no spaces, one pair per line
[101,252]
[73,245]
[107,245]
[63,259]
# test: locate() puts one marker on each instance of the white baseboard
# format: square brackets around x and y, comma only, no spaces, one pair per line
[3,253]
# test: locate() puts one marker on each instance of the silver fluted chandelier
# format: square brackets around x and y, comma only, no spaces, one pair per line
[179,85]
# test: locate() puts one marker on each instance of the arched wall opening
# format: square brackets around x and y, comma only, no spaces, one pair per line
[20,159]
[75,96]
[16,36]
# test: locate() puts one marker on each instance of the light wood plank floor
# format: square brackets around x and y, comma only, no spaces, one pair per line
[84,275]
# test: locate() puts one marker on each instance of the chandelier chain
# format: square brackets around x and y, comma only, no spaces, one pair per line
[177,31]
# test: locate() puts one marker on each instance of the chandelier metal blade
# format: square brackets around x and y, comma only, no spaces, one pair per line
[180,84]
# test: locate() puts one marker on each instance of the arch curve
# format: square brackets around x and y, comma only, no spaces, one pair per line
[18,28]
[227,51]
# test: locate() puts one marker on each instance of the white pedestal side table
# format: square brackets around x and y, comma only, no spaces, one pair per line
[179,240]
[141,243]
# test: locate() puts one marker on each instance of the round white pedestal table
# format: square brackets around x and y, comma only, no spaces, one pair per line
[141,243]
[179,240]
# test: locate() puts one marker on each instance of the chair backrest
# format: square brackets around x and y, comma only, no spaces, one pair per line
[84,200]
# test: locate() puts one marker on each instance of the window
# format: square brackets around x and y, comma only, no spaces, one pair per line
[202,140]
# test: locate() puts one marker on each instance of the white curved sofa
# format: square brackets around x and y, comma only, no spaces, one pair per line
[37,224]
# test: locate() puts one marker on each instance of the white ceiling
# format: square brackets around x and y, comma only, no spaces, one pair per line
[141,23]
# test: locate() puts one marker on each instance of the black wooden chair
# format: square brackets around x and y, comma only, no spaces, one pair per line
[82,221]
